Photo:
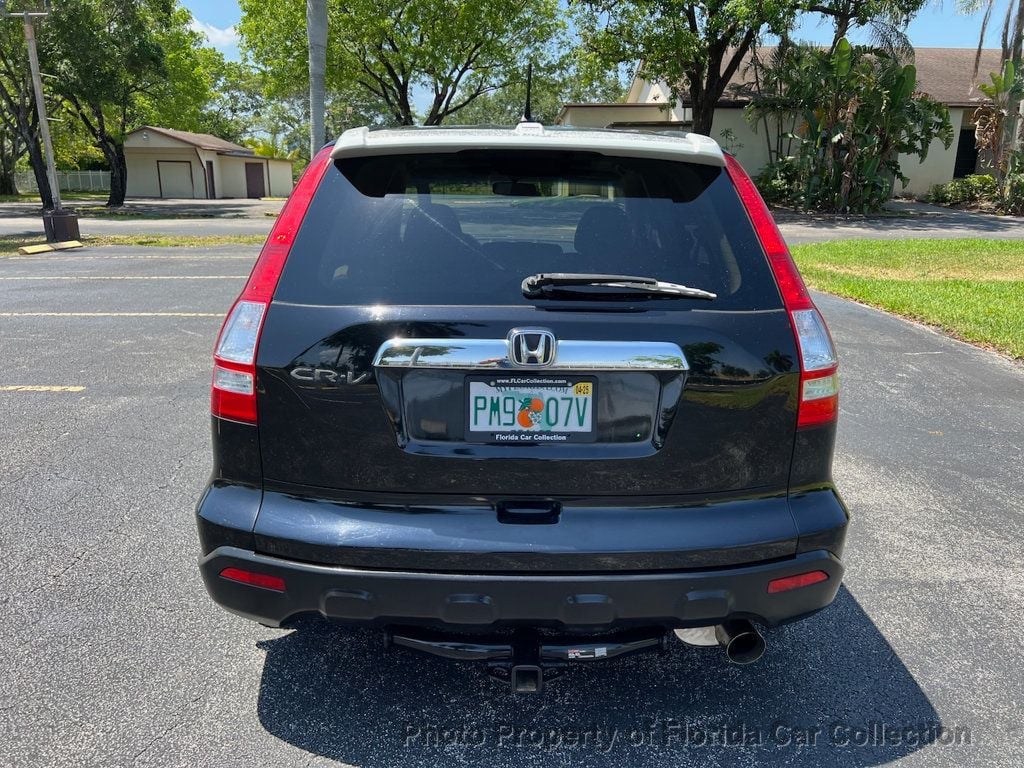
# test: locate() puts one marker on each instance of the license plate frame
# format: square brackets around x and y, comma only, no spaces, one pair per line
[520,386]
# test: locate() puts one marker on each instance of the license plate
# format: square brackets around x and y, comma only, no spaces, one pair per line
[531,409]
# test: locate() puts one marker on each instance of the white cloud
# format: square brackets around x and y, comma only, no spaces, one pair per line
[219,38]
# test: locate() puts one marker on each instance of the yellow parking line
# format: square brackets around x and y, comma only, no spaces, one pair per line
[126,277]
[111,314]
[37,388]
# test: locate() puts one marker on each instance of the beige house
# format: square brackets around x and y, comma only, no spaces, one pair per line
[945,74]
[177,164]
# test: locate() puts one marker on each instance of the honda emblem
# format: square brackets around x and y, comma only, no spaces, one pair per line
[531,347]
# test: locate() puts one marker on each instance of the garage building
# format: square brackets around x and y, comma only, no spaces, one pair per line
[177,164]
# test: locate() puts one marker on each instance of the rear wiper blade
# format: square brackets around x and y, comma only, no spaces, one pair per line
[538,286]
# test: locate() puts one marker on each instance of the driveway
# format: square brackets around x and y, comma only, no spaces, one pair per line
[907,219]
[112,654]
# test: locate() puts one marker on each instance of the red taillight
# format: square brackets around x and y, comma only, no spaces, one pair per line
[253,579]
[795,582]
[233,394]
[819,382]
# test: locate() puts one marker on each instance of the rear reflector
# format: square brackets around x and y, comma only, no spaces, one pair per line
[795,582]
[233,394]
[819,384]
[253,579]
[818,389]
[237,382]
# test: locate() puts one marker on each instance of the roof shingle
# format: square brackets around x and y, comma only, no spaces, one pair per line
[202,140]
[945,74]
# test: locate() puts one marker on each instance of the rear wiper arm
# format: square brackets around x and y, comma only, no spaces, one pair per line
[538,286]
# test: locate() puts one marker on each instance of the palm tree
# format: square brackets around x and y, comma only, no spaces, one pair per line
[316,32]
[1012,40]
[1005,138]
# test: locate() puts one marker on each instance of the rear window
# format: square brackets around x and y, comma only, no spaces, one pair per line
[467,228]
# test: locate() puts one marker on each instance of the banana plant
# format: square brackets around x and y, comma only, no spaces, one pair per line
[855,111]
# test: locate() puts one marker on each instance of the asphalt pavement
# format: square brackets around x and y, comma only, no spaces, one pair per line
[112,654]
[255,217]
[151,217]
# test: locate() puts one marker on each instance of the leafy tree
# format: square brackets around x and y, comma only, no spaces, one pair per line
[73,146]
[17,104]
[121,63]
[271,147]
[191,69]
[886,20]
[106,61]
[236,98]
[854,111]
[695,46]
[565,82]
[454,51]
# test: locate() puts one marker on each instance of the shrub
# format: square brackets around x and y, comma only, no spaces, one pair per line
[779,181]
[937,194]
[1013,195]
[978,188]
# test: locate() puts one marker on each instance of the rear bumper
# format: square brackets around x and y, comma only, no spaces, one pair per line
[459,535]
[486,601]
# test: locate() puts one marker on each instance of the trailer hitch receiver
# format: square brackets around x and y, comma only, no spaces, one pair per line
[525,658]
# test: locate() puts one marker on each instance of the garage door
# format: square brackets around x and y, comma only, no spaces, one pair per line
[175,178]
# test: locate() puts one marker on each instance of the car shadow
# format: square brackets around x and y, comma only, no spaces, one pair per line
[823,695]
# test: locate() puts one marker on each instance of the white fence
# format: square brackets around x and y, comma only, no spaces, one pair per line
[70,181]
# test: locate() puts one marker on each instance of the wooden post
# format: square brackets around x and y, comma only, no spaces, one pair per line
[44,125]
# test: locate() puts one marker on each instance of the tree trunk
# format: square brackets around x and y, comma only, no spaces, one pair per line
[702,109]
[842,28]
[316,32]
[38,163]
[7,160]
[703,116]
[113,153]
[7,182]
[708,85]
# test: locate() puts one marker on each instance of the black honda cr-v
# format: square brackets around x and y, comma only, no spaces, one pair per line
[526,395]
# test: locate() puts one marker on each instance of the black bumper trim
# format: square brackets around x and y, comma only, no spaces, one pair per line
[485,601]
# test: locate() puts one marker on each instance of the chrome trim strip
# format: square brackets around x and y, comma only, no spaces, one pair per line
[492,354]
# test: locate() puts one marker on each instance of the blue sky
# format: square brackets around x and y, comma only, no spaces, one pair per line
[938,25]
[217,19]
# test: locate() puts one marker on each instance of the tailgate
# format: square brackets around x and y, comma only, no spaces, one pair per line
[653,404]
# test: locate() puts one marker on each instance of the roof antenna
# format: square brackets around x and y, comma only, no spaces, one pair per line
[527,111]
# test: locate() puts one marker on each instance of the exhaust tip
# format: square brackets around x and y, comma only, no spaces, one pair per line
[742,642]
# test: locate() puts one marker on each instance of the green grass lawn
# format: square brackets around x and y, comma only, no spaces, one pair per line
[974,289]
[91,196]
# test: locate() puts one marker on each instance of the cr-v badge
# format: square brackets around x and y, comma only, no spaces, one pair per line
[327,376]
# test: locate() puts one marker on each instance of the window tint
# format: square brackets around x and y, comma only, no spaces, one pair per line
[467,228]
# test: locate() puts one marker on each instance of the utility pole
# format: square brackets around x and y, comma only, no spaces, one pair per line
[58,223]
